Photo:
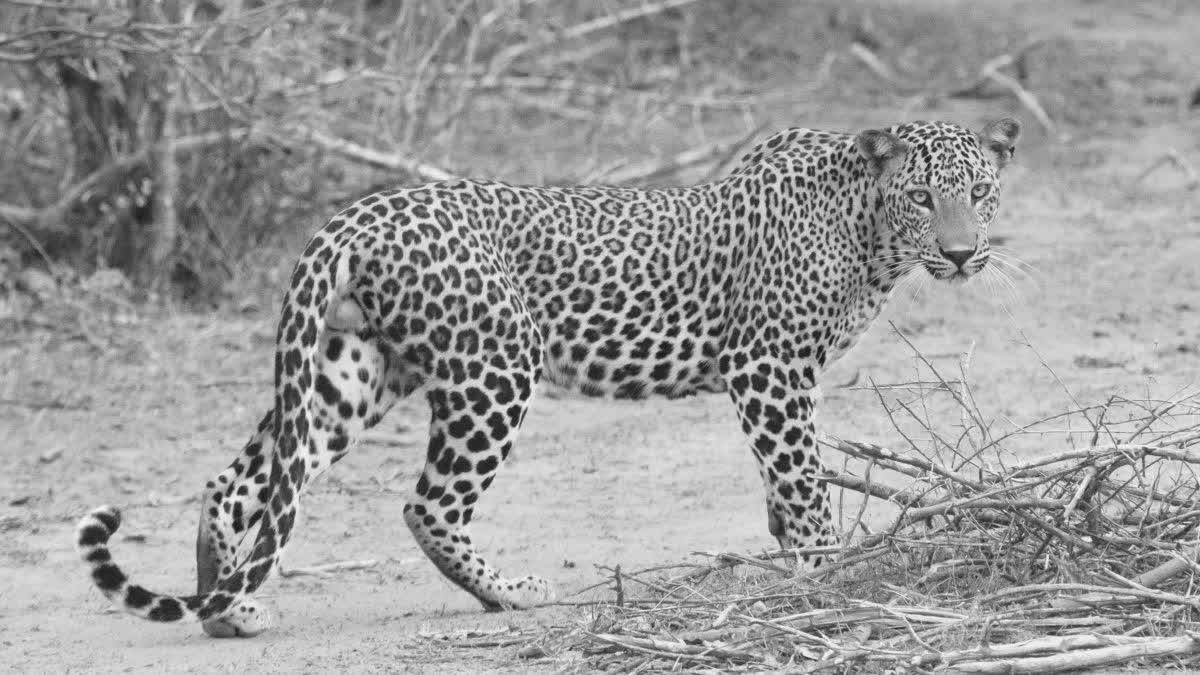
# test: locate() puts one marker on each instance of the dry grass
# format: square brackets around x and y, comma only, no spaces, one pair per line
[1083,557]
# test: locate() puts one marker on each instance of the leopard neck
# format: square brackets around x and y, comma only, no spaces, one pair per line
[888,260]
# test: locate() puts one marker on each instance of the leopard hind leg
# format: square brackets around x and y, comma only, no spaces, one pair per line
[476,406]
[358,381]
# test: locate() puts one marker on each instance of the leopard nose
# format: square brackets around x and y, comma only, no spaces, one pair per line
[958,256]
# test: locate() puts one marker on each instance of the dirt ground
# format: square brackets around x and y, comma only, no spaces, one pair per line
[1113,307]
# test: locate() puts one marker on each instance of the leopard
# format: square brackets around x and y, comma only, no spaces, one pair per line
[473,292]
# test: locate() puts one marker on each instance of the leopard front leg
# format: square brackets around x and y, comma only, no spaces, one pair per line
[775,404]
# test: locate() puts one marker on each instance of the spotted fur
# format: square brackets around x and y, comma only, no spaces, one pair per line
[473,291]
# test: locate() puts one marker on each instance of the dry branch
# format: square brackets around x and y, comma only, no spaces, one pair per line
[878,68]
[715,152]
[1183,562]
[51,219]
[1052,564]
[876,490]
[991,72]
[328,569]
[655,646]
[297,134]
[1084,658]
[1026,98]
[1015,59]
[1173,158]
[505,57]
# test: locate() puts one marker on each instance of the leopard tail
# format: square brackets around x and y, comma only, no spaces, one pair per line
[318,277]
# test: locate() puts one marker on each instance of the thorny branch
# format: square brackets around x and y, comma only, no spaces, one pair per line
[1051,564]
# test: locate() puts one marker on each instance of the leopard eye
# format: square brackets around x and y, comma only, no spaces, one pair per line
[921,198]
[980,191]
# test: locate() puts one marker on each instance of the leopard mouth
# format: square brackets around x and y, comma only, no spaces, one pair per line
[949,274]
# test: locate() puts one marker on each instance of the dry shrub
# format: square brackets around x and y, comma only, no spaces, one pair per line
[166,139]
[1080,557]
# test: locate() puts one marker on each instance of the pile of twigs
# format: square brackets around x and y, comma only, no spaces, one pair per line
[1083,558]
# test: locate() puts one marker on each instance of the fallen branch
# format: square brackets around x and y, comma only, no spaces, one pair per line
[878,68]
[156,500]
[1104,594]
[388,438]
[1015,59]
[328,569]
[991,72]
[503,58]
[47,405]
[655,646]
[1183,562]
[296,133]
[1085,658]
[1026,98]
[1173,158]
[872,489]
[601,92]
[1027,648]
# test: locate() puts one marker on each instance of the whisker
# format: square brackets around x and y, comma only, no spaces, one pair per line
[985,277]
[1009,252]
[1014,262]
[1006,286]
[903,284]
[1009,272]
[1008,267]
[888,269]
[900,269]
[1006,295]
[902,255]
[903,294]
[888,256]
[1010,257]
[995,289]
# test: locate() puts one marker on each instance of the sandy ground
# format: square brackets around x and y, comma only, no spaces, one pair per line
[1113,308]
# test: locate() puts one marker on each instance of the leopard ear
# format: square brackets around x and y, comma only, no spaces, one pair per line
[879,149]
[999,139]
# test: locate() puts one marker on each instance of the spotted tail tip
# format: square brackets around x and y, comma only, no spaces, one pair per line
[97,527]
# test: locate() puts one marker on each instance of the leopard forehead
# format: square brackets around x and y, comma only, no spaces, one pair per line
[943,156]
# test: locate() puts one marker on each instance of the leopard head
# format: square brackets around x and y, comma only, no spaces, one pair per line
[938,191]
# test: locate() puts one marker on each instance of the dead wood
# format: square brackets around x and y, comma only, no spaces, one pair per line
[1085,557]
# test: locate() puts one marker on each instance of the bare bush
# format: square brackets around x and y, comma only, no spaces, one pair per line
[165,139]
[1081,558]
